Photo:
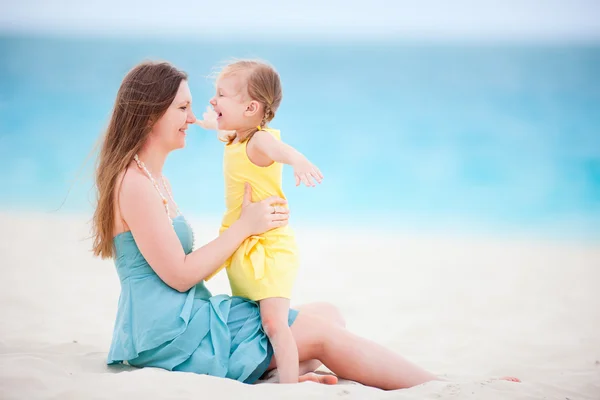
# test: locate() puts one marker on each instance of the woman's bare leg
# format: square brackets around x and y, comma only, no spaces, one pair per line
[328,312]
[352,357]
[323,310]
[320,335]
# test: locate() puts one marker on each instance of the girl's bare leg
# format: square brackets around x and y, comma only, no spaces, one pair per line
[274,314]
[328,312]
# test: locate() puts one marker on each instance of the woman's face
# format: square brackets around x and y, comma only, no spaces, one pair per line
[170,129]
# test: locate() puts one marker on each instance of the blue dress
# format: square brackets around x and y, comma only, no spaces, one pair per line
[157,326]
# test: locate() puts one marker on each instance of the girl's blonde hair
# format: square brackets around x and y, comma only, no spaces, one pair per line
[262,85]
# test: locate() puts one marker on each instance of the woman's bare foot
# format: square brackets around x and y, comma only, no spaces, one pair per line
[324,379]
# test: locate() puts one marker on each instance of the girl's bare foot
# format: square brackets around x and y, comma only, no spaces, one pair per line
[324,379]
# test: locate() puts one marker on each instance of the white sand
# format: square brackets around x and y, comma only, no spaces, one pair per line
[468,308]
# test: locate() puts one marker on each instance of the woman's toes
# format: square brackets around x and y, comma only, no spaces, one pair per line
[510,379]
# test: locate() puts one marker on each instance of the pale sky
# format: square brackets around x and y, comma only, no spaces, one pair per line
[548,20]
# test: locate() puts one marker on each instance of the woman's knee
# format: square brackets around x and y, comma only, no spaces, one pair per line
[312,333]
[337,315]
[330,312]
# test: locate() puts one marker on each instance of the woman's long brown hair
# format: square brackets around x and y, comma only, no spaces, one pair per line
[143,97]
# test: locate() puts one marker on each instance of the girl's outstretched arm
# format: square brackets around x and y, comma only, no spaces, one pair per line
[264,149]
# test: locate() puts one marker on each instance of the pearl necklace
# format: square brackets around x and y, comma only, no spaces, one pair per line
[142,166]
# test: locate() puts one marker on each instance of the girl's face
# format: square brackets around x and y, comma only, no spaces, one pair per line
[232,105]
[170,129]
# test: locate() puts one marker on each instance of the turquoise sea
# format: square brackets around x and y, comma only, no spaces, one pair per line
[445,136]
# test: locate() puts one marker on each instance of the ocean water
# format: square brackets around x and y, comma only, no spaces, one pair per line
[449,136]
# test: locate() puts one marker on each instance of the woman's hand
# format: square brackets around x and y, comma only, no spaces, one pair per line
[262,216]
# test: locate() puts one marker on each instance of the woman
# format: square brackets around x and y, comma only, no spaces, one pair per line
[166,317]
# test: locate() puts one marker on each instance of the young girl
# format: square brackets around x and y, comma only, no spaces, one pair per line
[264,267]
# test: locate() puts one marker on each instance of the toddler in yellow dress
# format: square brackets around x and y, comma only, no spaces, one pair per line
[248,94]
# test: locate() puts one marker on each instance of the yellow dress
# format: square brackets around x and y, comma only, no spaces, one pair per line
[264,265]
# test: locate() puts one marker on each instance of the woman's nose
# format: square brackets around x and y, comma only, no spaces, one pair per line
[191,118]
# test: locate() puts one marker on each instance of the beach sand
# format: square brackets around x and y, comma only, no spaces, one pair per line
[467,307]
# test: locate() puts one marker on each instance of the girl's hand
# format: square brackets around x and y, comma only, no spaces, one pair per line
[305,172]
[209,119]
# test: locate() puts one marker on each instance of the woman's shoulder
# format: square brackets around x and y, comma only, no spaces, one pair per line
[132,183]
[131,187]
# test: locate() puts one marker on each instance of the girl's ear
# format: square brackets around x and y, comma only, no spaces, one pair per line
[253,108]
